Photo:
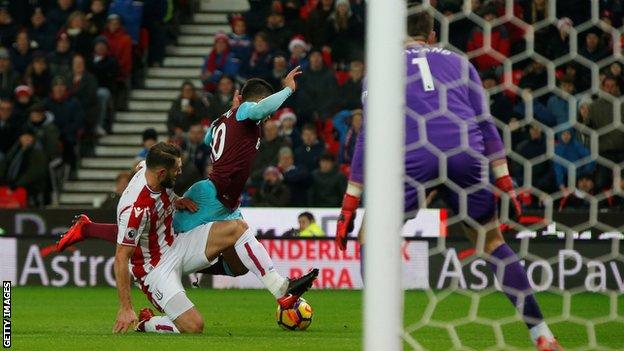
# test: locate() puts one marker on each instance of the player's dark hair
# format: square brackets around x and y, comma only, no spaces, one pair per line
[256,88]
[419,24]
[307,215]
[162,155]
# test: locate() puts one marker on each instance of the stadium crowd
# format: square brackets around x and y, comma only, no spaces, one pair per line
[63,59]
[66,67]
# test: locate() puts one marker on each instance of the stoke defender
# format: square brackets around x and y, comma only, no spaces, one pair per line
[445,96]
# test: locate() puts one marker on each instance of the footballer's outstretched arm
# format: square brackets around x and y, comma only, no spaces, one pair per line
[264,108]
[126,317]
[494,148]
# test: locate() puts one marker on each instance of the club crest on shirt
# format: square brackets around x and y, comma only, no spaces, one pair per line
[131,233]
[158,294]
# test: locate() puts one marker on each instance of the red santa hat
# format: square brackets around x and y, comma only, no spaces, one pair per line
[23,90]
[285,113]
[221,36]
[297,40]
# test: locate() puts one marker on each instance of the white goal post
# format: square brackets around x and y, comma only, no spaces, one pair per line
[385,135]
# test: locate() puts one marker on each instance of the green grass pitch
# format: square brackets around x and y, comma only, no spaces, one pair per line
[82,319]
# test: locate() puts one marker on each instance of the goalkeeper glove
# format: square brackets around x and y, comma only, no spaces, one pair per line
[504,182]
[345,221]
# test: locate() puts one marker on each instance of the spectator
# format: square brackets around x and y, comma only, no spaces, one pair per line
[220,61]
[150,137]
[500,105]
[270,144]
[460,28]
[279,71]
[153,17]
[583,109]
[84,88]
[240,43]
[308,227]
[499,40]
[591,47]
[308,154]
[559,105]
[316,28]
[23,101]
[221,101]
[580,74]
[8,28]
[531,149]
[540,112]
[58,15]
[46,132]
[316,90]
[534,77]
[292,17]
[580,197]
[60,59]
[348,132]
[272,191]
[288,126]
[298,53]
[601,115]
[120,46]
[68,117]
[96,17]
[25,166]
[328,184]
[39,77]
[295,178]
[105,68]
[188,109]
[558,42]
[9,78]
[21,52]
[346,33]
[573,151]
[41,32]
[121,183]
[259,63]
[351,91]
[278,34]
[197,152]
[9,126]
[81,39]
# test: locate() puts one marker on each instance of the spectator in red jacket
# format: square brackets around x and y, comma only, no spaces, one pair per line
[120,45]
[499,42]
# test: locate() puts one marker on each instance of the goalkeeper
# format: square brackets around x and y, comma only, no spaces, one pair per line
[445,96]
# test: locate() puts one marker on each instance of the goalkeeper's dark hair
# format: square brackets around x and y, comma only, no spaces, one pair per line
[420,24]
[256,89]
[162,154]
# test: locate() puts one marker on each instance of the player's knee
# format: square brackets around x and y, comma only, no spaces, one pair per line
[195,326]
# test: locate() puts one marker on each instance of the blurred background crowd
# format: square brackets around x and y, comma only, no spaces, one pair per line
[66,66]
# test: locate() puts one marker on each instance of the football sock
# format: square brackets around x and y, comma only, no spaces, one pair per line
[160,324]
[516,284]
[541,330]
[255,257]
[362,261]
[104,231]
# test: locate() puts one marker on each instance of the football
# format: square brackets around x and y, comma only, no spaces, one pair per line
[299,317]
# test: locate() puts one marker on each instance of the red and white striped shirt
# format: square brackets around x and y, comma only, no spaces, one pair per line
[144,220]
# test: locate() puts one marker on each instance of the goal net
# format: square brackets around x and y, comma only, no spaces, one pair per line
[552,74]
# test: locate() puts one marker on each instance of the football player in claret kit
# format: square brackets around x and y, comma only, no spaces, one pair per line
[234,138]
[446,95]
